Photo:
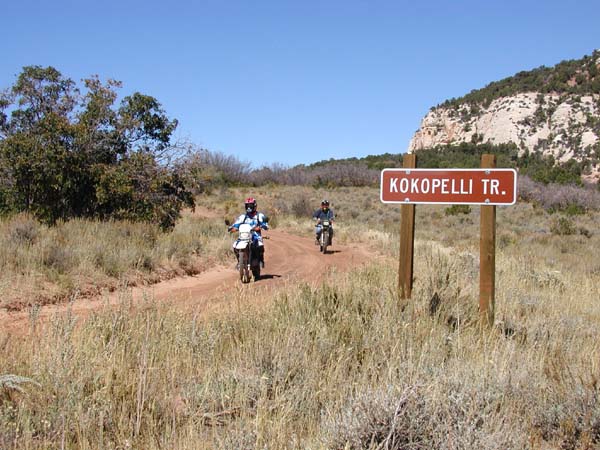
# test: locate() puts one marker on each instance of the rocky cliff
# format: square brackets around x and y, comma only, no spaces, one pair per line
[564,124]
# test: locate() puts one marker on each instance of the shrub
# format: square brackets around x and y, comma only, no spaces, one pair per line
[60,258]
[585,232]
[563,227]
[455,210]
[24,230]
[301,207]
[138,188]
[556,197]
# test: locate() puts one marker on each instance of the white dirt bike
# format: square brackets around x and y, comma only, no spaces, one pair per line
[325,239]
[248,258]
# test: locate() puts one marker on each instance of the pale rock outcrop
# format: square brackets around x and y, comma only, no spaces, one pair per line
[565,126]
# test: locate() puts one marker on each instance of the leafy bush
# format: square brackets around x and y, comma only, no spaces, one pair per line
[140,189]
[563,227]
[65,154]
[301,207]
[546,170]
[205,170]
[455,210]
[574,210]
[60,258]
[24,230]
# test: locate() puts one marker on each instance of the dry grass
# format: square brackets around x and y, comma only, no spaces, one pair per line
[345,365]
[80,257]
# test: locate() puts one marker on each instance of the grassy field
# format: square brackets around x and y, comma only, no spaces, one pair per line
[80,258]
[345,365]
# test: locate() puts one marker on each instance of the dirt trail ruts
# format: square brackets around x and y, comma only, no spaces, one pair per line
[288,258]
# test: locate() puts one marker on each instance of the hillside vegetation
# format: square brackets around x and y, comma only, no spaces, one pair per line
[577,76]
[208,170]
[542,181]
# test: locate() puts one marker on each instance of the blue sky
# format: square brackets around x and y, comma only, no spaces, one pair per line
[296,81]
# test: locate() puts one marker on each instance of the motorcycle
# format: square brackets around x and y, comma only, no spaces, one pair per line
[325,239]
[248,258]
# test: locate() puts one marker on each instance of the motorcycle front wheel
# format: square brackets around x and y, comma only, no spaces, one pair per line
[324,241]
[243,263]
[256,272]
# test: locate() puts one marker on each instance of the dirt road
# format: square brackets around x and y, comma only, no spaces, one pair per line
[288,258]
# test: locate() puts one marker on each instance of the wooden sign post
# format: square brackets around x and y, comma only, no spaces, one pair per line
[407,239]
[486,186]
[487,255]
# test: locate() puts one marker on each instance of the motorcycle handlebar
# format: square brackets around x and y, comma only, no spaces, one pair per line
[232,229]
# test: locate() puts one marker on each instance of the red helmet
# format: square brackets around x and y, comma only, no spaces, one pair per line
[250,205]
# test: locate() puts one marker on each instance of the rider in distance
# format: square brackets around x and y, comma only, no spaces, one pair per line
[323,213]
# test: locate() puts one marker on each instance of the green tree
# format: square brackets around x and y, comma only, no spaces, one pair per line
[59,148]
[36,149]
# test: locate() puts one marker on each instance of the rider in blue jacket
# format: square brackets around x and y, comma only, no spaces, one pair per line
[324,213]
[258,221]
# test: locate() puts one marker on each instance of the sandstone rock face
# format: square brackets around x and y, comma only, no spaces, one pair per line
[565,126]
